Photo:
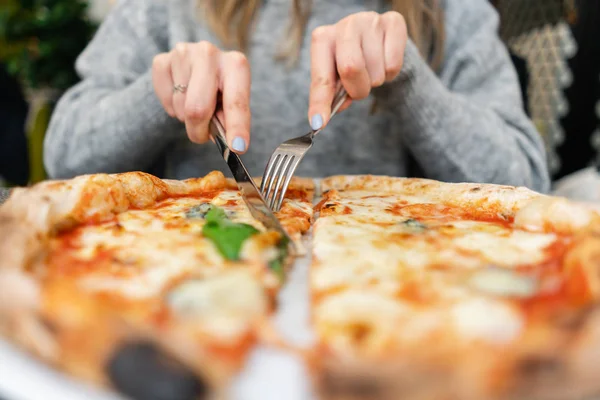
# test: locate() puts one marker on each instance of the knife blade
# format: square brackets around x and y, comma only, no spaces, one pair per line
[250,193]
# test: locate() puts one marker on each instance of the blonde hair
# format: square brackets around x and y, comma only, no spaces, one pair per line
[232,21]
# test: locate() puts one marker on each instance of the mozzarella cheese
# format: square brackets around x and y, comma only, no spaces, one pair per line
[401,274]
[369,253]
[503,282]
[487,320]
[364,318]
[225,305]
[149,249]
[507,249]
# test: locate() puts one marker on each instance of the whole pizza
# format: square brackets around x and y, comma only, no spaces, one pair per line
[419,289]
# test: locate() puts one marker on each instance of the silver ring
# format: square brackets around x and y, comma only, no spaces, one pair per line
[180,88]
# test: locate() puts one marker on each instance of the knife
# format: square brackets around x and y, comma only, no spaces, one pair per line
[250,193]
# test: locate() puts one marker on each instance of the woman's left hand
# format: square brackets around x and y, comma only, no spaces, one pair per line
[364,50]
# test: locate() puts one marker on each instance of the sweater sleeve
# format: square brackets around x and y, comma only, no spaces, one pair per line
[112,121]
[468,123]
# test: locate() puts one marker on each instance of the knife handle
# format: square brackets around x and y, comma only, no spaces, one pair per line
[217,131]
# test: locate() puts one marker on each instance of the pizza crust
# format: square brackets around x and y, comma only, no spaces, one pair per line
[504,198]
[529,209]
[559,215]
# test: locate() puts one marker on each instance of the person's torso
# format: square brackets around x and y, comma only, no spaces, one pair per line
[355,142]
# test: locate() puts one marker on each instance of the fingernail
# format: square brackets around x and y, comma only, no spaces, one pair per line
[316,122]
[239,144]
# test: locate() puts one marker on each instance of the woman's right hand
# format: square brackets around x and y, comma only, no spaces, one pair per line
[205,71]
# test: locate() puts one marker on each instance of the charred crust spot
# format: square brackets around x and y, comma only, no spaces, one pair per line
[504,216]
[573,321]
[142,372]
[49,325]
[360,332]
[539,367]
[476,189]
[355,387]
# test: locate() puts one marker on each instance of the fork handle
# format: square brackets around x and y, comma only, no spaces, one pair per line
[338,100]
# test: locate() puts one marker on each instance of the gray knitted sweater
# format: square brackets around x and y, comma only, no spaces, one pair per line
[463,123]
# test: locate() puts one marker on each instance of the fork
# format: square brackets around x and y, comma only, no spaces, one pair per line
[287,156]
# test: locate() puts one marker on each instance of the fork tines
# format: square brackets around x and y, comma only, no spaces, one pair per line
[285,160]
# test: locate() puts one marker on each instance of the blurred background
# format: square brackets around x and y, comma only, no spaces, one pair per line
[554,45]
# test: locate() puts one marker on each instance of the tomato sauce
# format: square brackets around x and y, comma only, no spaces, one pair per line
[63,258]
[201,196]
[570,289]
[448,213]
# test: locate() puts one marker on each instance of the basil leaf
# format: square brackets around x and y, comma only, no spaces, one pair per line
[277,267]
[216,215]
[415,225]
[226,235]
[228,239]
[277,264]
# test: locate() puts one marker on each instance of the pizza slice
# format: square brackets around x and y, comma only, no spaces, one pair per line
[429,290]
[154,287]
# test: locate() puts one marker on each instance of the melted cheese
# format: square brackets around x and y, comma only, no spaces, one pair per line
[503,282]
[151,248]
[359,316]
[224,305]
[157,264]
[367,253]
[150,261]
[371,322]
[487,320]
[511,249]
[397,271]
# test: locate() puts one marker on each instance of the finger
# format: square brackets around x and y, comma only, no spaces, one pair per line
[323,76]
[372,47]
[394,43]
[346,104]
[180,73]
[350,61]
[235,77]
[162,81]
[201,96]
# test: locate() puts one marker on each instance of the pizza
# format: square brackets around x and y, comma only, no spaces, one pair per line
[428,290]
[140,283]
[418,289]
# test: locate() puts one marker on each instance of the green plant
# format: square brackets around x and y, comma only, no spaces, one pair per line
[41,39]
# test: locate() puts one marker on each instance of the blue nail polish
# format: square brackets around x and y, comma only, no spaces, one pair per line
[239,144]
[316,122]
